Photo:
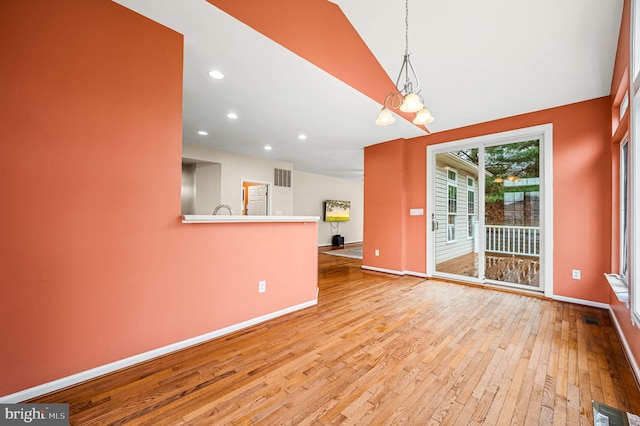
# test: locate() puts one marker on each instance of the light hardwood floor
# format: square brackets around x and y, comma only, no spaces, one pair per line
[380,349]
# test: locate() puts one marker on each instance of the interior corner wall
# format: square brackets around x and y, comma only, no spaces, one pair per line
[309,194]
[581,185]
[384,205]
[95,265]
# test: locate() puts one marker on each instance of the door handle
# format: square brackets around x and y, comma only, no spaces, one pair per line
[434,222]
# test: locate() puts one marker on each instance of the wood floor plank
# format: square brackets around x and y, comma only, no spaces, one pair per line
[380,349]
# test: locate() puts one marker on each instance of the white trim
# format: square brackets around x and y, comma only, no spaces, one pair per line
[209,218]
[136,359]
[634,157]
[634,44]
[394,272]
[546,219]
[452,183]
[475,204]
[624,215]
[627,350]
[415,274]
[543,132]
[387,271]
[260,182]
[581,302]
[633,271]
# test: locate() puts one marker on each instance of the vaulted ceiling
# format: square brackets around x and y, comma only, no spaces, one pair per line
[322,68]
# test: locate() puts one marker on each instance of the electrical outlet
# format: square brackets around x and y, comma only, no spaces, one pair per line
[262,286]
[377,252]
[575,274]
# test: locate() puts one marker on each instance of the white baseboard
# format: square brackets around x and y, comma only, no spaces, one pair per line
[146,356]
[386,271]
[627,350]
[415,274]
[581,302]
[394,272]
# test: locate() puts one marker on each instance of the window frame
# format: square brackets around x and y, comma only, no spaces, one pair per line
[633,162]
[471,215]
[624,231]
[452,183]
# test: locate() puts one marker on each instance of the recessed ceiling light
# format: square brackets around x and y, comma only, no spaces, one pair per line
[216,74]
[203,133]
[267,148]
[232,115]
[302,136]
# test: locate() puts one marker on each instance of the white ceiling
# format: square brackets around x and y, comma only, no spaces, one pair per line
[477,61]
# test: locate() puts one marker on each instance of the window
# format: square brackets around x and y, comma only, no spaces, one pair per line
[514,208]
[624,105]
[471,206]
[452,204]
[624,213]
[632,205]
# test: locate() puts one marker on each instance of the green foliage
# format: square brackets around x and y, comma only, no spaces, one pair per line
[518,160]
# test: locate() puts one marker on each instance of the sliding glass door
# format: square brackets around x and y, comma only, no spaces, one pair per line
[512,213]
[485,205]
[455,219]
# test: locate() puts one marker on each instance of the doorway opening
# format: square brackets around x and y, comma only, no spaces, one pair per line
[489,202]
[255,198]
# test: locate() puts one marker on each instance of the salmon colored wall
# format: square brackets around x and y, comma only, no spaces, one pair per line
[582,193]
[95,265]
[620,74]
[383,206]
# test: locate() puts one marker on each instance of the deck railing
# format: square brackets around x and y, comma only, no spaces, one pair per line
[516,240]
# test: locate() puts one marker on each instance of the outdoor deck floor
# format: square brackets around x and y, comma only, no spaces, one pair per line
[509,269]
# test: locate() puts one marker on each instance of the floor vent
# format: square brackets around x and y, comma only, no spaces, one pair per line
[591,320]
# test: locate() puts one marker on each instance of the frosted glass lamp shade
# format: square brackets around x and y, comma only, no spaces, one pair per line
[423,117]
[411,103]
[385,117]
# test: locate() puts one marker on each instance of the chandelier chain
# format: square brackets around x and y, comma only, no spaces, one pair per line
[406,27]
[405,97]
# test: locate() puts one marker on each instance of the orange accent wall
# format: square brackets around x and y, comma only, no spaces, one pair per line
[95,265]
[620,81]
[582,194]
[383,206]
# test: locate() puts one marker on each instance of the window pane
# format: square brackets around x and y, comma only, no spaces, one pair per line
[635,30]
[624,219]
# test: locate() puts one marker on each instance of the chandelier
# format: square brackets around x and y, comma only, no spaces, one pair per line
[407,96]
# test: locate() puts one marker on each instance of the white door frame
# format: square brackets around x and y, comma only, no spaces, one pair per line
[259,182]
[542,132]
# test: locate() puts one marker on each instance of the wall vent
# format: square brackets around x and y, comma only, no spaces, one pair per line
[282,177]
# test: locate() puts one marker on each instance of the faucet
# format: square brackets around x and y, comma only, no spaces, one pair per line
[223,206]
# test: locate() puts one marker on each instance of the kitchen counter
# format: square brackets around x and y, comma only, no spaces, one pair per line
[209,218]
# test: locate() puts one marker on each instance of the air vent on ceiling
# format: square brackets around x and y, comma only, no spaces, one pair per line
[282,177]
